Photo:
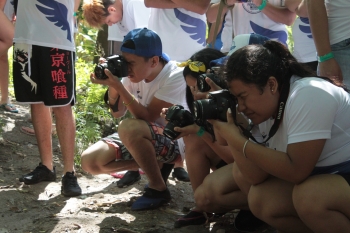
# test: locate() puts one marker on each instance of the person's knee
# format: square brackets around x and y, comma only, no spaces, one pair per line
[304,196]
[256,202]
[201,198]
[206,195]
[131,128]
[88,164]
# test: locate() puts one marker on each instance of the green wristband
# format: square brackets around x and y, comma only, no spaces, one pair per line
[75,14]
[200,131]
[325,57]
[263,5]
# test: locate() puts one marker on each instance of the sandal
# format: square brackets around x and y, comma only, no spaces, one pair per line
[193,218]
[9,108]
[27,130]
[30,131]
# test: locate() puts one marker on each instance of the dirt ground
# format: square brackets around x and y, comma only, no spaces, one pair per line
[103,207]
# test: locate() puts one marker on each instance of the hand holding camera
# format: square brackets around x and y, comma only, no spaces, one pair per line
[109,70]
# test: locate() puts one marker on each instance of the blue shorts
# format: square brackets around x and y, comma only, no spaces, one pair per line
[342,169]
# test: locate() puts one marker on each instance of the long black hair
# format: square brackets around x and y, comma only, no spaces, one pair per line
[205,56]
[254,64]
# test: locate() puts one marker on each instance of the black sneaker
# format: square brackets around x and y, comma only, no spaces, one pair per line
[181,174]
[40,173]
[129,178]
[70,186]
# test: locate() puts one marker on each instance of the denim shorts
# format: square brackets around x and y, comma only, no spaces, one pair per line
[342,169]
[341,51]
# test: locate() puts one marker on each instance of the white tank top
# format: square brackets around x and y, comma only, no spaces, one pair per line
[182,32]
[304,46]
[247,18]
[46,23]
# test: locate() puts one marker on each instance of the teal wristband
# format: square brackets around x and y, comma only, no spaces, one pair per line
[263,5]
[200,131]
[325,57]
[75,14]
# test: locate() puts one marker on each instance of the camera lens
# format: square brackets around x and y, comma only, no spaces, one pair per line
[170,132]
[100,71]
[205,109]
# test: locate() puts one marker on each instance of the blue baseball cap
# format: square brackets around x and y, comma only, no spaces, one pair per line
[238,42]
[147,43]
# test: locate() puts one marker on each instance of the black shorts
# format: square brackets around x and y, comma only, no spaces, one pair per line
[43,75]
[346,177]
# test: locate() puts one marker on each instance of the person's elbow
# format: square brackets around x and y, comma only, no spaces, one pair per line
[148,3]
[289,20]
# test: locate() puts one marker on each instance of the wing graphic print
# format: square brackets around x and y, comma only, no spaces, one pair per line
[280,35]
[194,27]
[305,28]
[57,13]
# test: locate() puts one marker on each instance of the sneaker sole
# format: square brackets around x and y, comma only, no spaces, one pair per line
[30,183]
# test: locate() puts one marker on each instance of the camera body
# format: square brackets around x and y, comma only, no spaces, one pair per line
[203,86]
[177,116]
[215,107]
[116,64]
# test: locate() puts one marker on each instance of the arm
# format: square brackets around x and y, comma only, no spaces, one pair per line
[129,102]
[297,6]
[197,6]
[6,33]
[2,4]
[213,9]
[319,28]
[76,5]
[277,14]
[292,166]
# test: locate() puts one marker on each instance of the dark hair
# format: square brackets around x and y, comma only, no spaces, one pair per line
[129,44]
[205,55]
[254,64]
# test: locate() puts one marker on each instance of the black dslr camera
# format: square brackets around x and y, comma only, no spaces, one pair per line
[177,116]
[203,85]
[215,107]
[116,64]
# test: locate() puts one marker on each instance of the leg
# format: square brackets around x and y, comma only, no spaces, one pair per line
[65,126]
[199,159]
[4,78]
[331,211]
[137,138]
[219,192]
[100,159]
[271,201]
[42,122]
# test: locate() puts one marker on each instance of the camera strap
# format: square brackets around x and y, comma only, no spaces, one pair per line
[280,111]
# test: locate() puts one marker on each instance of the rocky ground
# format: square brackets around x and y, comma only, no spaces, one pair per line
[103,207]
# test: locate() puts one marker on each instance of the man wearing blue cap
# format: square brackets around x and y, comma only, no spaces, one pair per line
[153,82]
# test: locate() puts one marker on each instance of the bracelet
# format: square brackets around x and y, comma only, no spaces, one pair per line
[263,5]
[200,132]
[325,57]
[131,101]
[111,97]
[75,14]
[245,144]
